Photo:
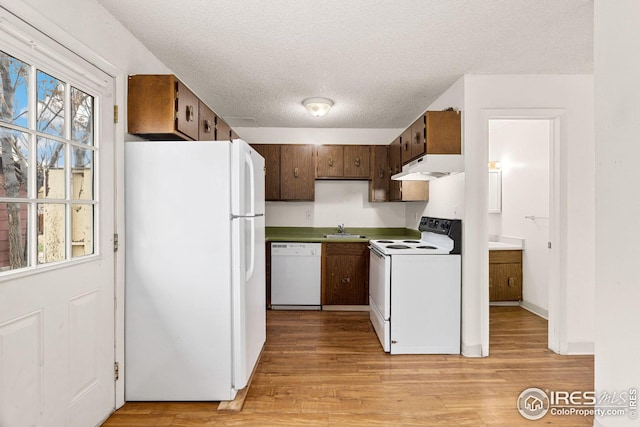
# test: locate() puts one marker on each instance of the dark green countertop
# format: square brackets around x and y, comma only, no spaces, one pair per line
[316,234]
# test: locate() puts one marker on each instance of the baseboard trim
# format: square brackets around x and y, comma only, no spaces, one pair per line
[581,348]
[535,309]
[504,303]
[345,308]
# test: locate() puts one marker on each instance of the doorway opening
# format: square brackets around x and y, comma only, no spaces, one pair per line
[520,212]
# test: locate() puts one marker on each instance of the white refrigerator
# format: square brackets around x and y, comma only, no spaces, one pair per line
[195,319]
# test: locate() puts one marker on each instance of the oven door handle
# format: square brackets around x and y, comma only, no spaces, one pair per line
[376,252]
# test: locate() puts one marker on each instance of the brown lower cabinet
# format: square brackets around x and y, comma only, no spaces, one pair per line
[345,273]
[505,275]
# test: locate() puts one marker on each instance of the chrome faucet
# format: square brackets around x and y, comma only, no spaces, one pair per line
[341,229]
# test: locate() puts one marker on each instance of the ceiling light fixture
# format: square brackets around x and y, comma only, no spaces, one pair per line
[318,107]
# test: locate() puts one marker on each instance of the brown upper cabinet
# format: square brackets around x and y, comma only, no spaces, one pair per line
[160,106]
[405,141]
[356,161]
[271,154]
[342,162]
[207,118]
[297,167]
[378,174]
[443,132]
[394,154]
[434,132]
[397,191]
[330,161]
[418,147]
[223,131]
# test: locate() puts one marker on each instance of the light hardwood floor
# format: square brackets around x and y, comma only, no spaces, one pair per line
[328,369]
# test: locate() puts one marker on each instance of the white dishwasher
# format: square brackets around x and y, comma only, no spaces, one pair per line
[295,276]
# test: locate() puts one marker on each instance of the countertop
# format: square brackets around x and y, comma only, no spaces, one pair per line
[500,246]
[316,234]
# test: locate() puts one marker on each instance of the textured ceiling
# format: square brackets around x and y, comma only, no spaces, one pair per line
[381,61]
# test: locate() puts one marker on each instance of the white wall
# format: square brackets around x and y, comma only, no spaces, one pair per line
[570,98]
[522,148]
[337,202]
[343,136]
[617,100]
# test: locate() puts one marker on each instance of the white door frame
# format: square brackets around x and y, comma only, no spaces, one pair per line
[557,331]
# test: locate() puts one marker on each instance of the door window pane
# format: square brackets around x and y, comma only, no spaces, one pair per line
[50,109]
[51,176]
[51,235]
[81,230]
[15,90]
[81,116]
[13,235]
[81,174]
[14,163]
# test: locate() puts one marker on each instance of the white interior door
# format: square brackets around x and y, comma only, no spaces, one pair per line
[56,238]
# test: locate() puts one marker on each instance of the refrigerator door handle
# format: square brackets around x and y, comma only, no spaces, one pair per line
[252,251]
[234,216]
[252,184]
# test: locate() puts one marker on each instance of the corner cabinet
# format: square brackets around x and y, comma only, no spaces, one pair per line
[403,191]
[505,275]
[378,174]
[345,273]
[271,154]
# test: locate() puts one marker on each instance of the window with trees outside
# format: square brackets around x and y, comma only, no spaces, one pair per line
[47,167]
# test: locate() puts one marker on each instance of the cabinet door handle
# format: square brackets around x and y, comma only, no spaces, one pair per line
[511,281]
[406,146]
[330,161]
[190,113]
[296,172]
[357,162]
[207,126]
[346,280]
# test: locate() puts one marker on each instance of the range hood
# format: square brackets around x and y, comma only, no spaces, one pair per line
[431,166]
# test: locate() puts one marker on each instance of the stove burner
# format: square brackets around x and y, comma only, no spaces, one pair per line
[411,241]
[385,241]
[397,247]
[426,247]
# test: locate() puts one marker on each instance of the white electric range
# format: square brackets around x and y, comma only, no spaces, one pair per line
[415,288]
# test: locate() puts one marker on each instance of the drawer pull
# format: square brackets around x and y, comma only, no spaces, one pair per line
[511,281]
[346,280]
[296,172]
[357,162]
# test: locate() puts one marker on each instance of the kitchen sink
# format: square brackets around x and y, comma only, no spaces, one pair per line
[344,236]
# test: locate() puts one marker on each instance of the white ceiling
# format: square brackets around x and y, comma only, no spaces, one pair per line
[381,61]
